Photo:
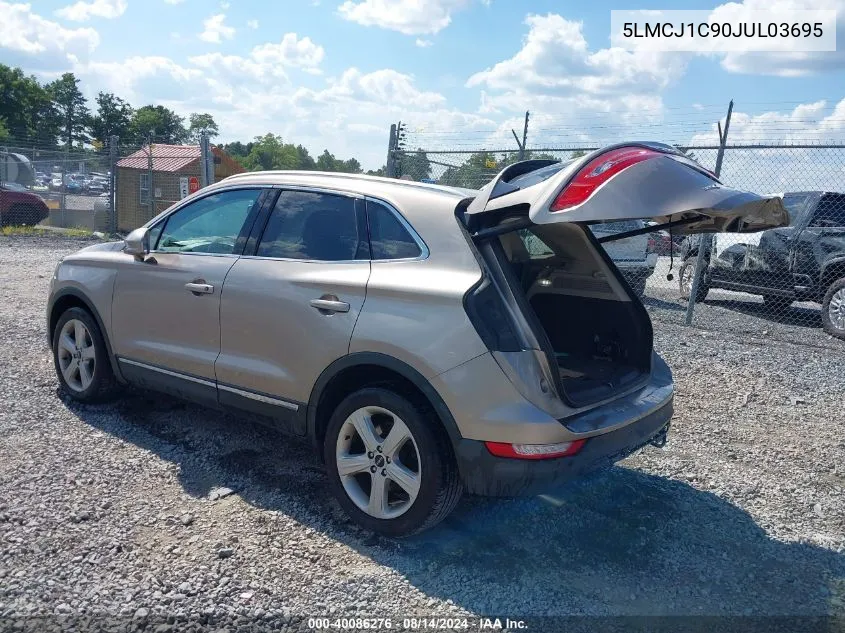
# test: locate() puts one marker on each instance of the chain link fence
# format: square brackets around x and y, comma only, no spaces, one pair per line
[111,190]
[786,283]
[53,187]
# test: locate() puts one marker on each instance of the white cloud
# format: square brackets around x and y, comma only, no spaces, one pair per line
[215,29]
[253,24]
[411,17]
[40,42]
[555,62]
[792,64]
[82,11]
[127,78]
[265,62]
[423,43]
[174,1]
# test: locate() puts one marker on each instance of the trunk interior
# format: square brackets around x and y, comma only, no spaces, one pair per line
[596,334]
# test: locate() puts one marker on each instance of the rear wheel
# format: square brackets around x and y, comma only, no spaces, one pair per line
[776,303]
[390,464]
[81,358]
[833,309]
[686,277]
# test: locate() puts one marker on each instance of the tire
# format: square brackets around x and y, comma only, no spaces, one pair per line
[776,303]
[426,456]
[686,274]
[833,309]
[96,383]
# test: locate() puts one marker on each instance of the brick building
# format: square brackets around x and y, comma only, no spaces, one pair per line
[144,190]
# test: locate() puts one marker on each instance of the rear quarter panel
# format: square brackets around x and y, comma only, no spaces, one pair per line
[414,309]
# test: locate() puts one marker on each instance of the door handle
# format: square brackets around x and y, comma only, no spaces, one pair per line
[330,305]
[199,288]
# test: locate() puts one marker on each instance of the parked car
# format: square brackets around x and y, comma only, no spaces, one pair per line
[73,186]
[427,340]
[631,255]
[804,261]
[57,183]
[19,206]
[95,187]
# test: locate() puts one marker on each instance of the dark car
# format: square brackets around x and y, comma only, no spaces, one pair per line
[19,206]
[804,261]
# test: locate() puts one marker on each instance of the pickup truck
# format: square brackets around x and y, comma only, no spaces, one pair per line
[804,261]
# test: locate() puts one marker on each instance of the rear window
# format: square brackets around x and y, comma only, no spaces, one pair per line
[538,175]
[794,204]
[617,227]
[830,212]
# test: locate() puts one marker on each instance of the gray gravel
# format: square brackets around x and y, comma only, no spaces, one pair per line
[122,511]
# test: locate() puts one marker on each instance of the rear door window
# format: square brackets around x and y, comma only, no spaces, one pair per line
[830,212]
[389,238]
[315,226]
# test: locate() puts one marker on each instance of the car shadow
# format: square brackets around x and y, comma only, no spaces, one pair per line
[621,542]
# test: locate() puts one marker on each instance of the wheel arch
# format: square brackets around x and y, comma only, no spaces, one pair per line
[832,270]
[68,298]
[361,369]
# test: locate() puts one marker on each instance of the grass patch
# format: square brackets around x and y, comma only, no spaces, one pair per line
[8,231]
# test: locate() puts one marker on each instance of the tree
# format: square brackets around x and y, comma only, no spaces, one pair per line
[71,108]
[165,125]
[306,162]
[474,172]
[198,123]
[114,117]
[26,107]
[578,153]
[4,131]
[381,171]
[415,164]
[270,152]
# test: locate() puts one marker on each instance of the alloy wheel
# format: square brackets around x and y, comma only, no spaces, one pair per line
[378,462]
[76,354]
[836,309]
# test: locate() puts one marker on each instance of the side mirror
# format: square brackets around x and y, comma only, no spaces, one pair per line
[137,243]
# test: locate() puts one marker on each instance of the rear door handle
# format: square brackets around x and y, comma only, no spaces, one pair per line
[330,305]
[199,288]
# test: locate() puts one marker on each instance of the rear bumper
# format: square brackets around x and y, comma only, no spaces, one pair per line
[485,474]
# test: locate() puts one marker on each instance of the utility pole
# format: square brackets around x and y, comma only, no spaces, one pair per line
[389,171]
[150,172]
[113,143]
[521,143]
[705,240]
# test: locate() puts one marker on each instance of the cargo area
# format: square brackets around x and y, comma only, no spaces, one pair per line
[596,332]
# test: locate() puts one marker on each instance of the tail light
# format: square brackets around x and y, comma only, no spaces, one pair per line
[597,172]
[535,451]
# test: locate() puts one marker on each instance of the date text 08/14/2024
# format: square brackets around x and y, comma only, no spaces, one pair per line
[417,624]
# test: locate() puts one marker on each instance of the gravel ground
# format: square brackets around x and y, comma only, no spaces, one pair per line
[116,512]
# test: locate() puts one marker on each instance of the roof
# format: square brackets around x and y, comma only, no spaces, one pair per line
[165,157]
[333,178]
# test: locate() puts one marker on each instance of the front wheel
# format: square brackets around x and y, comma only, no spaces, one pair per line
[81,358]
[833,309]
[390,464]
[686,277]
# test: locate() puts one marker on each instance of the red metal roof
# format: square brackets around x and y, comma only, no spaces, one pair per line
[165,157]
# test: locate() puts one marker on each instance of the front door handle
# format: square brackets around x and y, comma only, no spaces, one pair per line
[199,288]
[329,303]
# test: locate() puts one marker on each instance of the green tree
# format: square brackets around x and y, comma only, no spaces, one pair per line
[198,123]
[165,125]
[270,152]
[474,172]
[4,131]
[578,154]
[71,108]
[114,117]
[26,107]
[381,171]
[415,164]
[306,162]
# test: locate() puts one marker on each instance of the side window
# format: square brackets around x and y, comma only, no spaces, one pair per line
[389,239]
[209,225]
[794,207]
[314,226]
[830,212]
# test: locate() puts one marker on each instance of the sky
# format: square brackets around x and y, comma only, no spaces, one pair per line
[334,74]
